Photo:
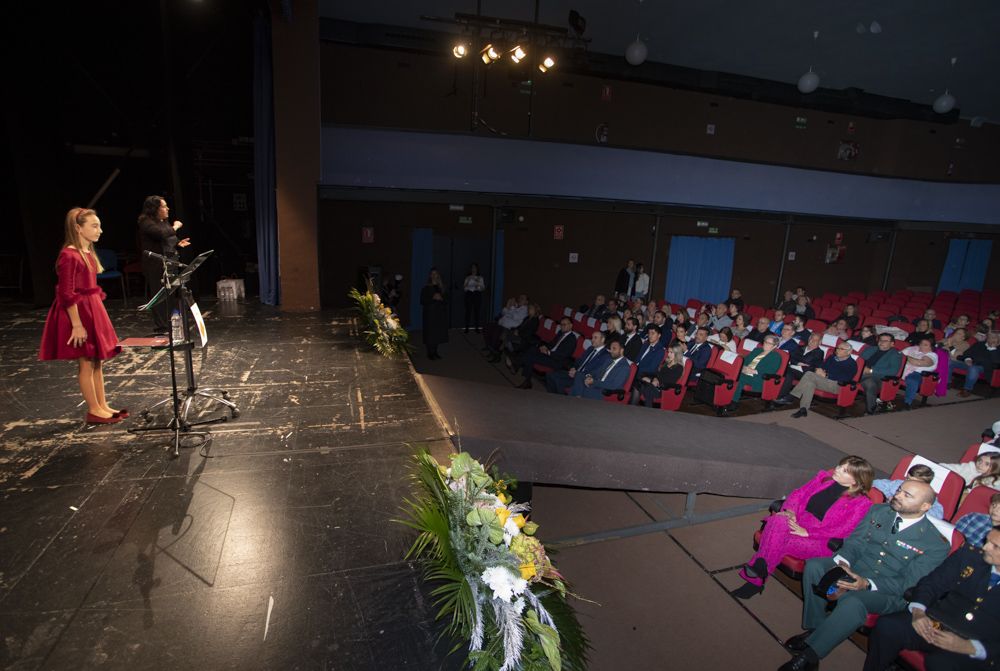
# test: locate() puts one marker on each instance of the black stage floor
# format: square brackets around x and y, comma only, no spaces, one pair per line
[278,552]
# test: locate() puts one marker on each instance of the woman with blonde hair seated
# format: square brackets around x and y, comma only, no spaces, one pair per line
[828,506]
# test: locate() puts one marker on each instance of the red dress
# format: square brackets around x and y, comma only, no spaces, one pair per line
[78,286]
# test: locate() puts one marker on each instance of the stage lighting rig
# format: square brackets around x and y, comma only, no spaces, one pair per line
[460,51]
[489,54]
[547,64]
[518,54]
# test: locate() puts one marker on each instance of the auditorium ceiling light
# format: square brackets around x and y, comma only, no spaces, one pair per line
[946,101]
[547,64]
[518,54]
[809,82]
[459,51]
[489,54]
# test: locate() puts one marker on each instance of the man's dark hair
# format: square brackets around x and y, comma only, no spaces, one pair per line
[633,320]
[702,328]
[653,327]
[891,337]
[661,312]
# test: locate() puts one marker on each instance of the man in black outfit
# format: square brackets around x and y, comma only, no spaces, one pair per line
[557,354]
[632,340]
[158,235]
[963,593]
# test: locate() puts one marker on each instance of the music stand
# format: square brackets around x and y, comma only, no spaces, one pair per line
[175,284]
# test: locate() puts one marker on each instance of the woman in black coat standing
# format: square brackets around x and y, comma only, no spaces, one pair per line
[158,235]
[435,313]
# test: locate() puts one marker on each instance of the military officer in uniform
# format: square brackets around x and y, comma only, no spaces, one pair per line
[965,585]
[893,547]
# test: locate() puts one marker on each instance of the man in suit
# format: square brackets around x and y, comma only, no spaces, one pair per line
[557,354]
[762,361]
[808,358]
[892,548]
[787,340]
[651,354]
[632,340]
[801,332]
[838,368]
[613,376]
[762,329]
[662,322]
[699,352]
[979,361]
[595,358]
[880,362]
[966,583]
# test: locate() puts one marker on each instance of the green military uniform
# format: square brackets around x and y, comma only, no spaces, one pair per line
[768,365]
[891,562]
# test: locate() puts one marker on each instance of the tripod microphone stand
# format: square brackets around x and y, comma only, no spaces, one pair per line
[175,284]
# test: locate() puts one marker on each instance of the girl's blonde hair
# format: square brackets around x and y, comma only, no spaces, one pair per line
[75,218]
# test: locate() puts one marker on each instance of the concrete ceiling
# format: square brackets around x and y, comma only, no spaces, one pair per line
[909,59]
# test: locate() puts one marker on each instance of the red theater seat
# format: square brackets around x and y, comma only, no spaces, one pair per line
[670,399]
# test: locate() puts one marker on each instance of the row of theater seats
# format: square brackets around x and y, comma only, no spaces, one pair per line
[949,487]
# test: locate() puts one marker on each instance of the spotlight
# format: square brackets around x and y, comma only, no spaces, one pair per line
[489,54]
[459,51]
[547,64]
[517,54]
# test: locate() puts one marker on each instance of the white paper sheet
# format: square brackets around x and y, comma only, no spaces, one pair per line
[728,356]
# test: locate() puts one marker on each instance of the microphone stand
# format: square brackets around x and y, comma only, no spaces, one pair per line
[176,284]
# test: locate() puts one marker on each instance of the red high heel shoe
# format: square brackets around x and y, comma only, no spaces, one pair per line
[121,414]
[94,419]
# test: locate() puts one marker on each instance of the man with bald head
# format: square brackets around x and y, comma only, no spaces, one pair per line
[890,550]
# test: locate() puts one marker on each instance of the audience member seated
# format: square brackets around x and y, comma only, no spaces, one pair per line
[662,322]
[680,337]
[975,526]
[612,377]
[651,308]
[732,310]
[787,303]
[801,332]
[956,345]
[637,305]
[808,358]
[651,354]
[724,339]
[983,329]
[868,336]
[983,472]
[614,310]
[838,368]
[720,318]
[615,330]
[828,506]
[596,358]
[920,358]
[647,388]
[699,352]
[840,329]
[921,472]
[982,356]
[763,329]
[892,548]
[599,310]
[776,323]
[959,322]
[557,354]
[511,316]
[701,322]
[803,309]
[631,339]
[881,361]
[736,298]
[921,331]
[682,319]
[953,615]
[931,316]
[787,341]
[850,315]
[739,326]
[764,360]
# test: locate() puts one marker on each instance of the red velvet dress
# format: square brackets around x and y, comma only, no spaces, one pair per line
[78,286]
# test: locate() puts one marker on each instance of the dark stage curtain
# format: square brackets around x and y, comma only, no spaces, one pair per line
[263,160]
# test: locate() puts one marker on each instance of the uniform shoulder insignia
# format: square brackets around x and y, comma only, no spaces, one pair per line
[967,572]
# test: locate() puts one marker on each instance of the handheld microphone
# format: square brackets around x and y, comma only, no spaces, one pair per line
[161,257]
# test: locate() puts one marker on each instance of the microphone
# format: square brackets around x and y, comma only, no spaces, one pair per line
[161,257]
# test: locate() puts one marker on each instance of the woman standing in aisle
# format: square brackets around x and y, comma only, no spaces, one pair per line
[474,286]
[78,326]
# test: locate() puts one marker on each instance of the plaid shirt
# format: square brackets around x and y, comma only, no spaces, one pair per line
[974,527]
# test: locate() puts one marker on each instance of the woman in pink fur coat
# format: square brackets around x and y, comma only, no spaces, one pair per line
[828,506]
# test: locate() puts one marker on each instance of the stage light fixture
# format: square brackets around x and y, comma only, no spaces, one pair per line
[547,64]
[517,54]
[489,54]
[460,51]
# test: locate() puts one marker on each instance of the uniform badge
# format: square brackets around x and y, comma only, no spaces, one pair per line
[967,572]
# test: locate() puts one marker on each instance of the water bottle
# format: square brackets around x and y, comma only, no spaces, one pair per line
[176,326]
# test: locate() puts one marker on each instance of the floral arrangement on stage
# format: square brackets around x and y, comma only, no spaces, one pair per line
[497,586]
[382,329]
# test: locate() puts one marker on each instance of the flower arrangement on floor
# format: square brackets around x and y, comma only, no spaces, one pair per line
[497,585]
[382,329]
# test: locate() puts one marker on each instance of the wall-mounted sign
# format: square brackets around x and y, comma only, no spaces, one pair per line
[557,232]
[702,224]
[606,93]
[791,256]
[801,122]
[456,208]
[574,257]
[713,230]
[710,129]
[367,235]
[465,219]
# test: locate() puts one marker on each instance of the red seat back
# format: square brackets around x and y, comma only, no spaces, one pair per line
[950,489]
[977,501]
[670,399]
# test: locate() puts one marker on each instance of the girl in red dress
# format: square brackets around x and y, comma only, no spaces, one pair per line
[78,326]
